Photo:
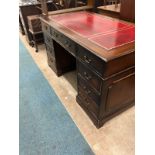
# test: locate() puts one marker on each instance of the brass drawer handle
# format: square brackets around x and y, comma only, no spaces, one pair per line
[86,90]
[55,34]
[67,44]
[86,59]
[88,77]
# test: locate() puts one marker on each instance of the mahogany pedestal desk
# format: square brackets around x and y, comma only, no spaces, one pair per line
[102,51]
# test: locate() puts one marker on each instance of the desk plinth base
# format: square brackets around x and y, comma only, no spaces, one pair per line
[97,122]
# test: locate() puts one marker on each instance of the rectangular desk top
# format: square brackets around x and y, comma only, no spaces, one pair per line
[106,37]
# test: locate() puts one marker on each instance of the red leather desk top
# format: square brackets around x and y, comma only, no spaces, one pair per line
[103,31]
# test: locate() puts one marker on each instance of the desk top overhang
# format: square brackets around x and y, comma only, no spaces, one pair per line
[106,37]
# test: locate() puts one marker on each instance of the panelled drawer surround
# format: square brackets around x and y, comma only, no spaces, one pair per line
[117,99]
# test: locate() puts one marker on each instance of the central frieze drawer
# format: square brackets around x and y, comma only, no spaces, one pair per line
[90,59]
[68,44]
[94,81]
[64,41]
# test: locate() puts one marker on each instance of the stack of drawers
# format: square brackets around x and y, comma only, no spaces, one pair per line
[49,47]
[104,88]
[89,82]
[50,52]
[57,47]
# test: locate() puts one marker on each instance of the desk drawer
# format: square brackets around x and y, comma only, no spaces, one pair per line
[51,61]
[90,59]
[69,45]
[88,91]
[45,27]
[64,41]
[87,102]
[55,34]
[94,81]
[50,50]
[48,40]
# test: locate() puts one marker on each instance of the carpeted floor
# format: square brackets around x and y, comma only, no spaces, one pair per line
[45,127]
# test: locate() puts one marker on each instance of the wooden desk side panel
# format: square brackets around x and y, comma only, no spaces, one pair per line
[118,93]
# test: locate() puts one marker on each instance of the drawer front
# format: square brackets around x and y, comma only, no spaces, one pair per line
[48,40]
[50,50]
[55,34]
[94,81]
[90,59]
[69,45]
[45,27]
[87,102]
[64,41]
[88,91]
[51,61]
